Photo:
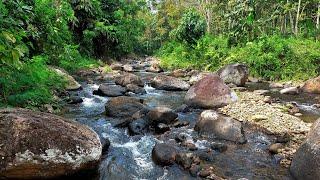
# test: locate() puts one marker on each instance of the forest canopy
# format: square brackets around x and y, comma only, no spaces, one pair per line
[279,40]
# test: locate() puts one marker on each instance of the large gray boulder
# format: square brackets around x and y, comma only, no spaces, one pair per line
[169,83]
[35,145]
[214,125]
[234,73]
[164,154]
[306,161]
[210,92]
[110,90]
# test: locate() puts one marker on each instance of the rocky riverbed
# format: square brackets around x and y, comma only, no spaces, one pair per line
[187,124]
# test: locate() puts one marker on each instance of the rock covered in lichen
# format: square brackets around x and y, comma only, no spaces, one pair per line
[41,145]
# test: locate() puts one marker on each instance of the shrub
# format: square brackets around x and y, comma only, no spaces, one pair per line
[191,28]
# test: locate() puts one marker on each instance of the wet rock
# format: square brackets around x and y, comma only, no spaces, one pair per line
[184,160]
[164,154]
[220,147]
[138,127]
[306,161]
[179,124]
[41,145]
[123,106]
[75,100]
[110,90]
[312,86]
[209,92]
[275,148]
[128,68]
[169,83]
[214,125]
[290,90]
[128,78]
[135,89]
[161,115]
[105,146]
[234,73]
[161,128]
[116,66]
[72,84]
[140,114]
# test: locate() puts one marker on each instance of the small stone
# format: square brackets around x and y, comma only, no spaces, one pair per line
[275,148]
[205,172]
[298,114]
[258,118]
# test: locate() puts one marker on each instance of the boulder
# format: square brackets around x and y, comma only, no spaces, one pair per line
[198,76]
[123,106]
[110,90]
[306,161]
[290,90]
[312,86]
[164,154]
[210,92]
[161,115]
[35,145]
[72,84]
[128,78]
[169,83]
[212,124]
[234,73]
[135,89]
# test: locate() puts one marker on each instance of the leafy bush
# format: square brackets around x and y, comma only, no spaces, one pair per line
[273,58]
[31,85]
[191,28]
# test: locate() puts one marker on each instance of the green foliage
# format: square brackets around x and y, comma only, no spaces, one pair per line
[273,58]
[31,85]
[191,28]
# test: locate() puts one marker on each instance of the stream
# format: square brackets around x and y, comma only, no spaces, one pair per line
[129,157]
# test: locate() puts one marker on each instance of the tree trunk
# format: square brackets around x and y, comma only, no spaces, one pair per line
[297,18]
[318,17]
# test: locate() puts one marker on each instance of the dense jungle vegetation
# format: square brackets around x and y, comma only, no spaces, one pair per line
[279,40]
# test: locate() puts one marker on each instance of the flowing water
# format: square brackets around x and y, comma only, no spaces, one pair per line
[129,157]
